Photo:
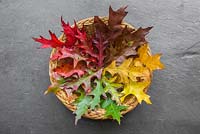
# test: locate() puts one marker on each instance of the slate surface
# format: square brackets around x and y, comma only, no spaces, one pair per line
[24,68]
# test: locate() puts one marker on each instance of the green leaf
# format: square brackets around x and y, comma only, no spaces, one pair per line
[113,110]
[82,107]
[106,102]
[84,101]
[96,92]
[61,81]
[53,89]
[111,87]
[80,96]
[84,82]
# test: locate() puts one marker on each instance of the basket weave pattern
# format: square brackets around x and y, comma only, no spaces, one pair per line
[130,101]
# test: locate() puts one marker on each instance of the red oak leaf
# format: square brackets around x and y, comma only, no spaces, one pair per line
[108,33]
[67,70]
[116,17]
[138,37]
[85,46]
[54,42]
[82,36]
[100,44]
[101,26]
[62,53]
[85,82]
[70,33]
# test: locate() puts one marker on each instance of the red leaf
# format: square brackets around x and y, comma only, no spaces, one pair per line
[87,48]
[82,36]
[69,32]
[62,53]
[100,45]
[68,70]
[54,42]
[85,45]
[68,29]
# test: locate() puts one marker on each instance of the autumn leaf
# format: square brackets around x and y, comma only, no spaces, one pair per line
[89,101]
[82,107]
[85,82]
[70,33]
[81,35]
[116,17]
[96,92]
[101,26]
[137,37]
[151,61]
[67,29]
[100,44]
[64,53]
[108,33]
[111,88]
[112,109]
[87,48]
[53,89]
[126,71]
[68,70]
[114,28]
[136,89]
[126,43]
[54,42]
[122,71]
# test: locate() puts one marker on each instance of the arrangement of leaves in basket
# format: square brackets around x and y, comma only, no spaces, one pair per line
[102,63]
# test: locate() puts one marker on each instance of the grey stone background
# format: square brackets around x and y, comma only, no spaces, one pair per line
[175,91]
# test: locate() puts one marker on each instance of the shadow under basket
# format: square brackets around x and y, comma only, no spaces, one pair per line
[130,101]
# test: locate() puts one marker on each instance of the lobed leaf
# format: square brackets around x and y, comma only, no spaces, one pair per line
[54,42]
[151,61]
[126,71]
[85,82]
[96,93]
[100,44]
[136,89]
[113,110]
[82,107]
[116,17]
[111,87]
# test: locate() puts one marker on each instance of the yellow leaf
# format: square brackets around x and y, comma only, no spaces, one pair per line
[127,70]
[141,72]
[151,61]
[122,70]
[136,89]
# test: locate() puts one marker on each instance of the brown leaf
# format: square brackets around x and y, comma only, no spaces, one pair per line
[100,25]
[138,37]
[116,17]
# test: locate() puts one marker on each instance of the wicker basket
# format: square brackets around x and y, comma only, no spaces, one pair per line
[130,101]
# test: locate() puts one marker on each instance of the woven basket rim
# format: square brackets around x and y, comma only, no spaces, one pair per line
[62,96]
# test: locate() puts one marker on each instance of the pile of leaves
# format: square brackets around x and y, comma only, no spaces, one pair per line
[102,63]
